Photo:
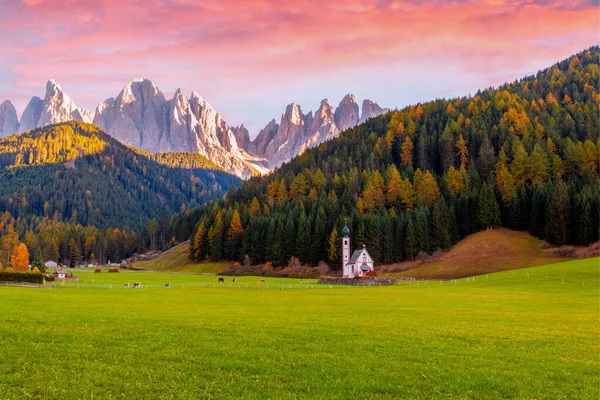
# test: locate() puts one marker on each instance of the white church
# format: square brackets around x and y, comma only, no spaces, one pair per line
[359,263]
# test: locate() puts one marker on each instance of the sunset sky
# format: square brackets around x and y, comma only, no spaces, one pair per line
[251,58]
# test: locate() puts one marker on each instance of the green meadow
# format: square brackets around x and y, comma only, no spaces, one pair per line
[528,333]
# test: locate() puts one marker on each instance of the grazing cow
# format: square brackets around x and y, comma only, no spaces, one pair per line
[137,285]
[262,281]
[167,284]
[234,279]
[221,280]
[126,286]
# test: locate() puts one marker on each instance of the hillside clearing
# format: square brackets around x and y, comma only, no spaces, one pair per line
[176,259]
[486,252]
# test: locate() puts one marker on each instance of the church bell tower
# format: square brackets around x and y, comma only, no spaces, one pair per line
[346,251]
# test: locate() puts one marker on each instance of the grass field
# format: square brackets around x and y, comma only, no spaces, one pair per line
[515,334]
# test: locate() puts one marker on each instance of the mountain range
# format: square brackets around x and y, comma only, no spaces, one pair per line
[141,116]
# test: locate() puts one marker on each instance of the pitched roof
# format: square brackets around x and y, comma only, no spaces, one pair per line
[355,256]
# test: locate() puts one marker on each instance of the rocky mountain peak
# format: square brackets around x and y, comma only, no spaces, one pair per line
[9,123]
[57,106]
[370,109]
[346,115]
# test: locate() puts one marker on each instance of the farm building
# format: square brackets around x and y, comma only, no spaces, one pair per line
[51,264]
[360,263]
[61,274]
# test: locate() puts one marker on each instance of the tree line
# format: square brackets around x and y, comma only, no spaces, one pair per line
[524,156]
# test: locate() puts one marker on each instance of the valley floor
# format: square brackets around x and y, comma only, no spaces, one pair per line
[529,333]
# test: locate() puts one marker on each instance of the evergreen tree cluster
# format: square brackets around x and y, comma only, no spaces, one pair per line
[525,156]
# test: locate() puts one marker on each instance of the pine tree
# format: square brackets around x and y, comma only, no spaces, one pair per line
[303,239]
[558,215]
[488,211]
[410,248]
[38,261]
[441,223]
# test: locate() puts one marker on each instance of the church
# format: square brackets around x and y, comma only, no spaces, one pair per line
[359,263]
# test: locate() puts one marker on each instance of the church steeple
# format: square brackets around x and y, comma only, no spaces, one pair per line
[345,231]
[346,251]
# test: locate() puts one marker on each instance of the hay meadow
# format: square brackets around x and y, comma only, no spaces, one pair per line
[529,333]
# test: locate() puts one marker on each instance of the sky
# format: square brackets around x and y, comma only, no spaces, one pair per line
[251,58]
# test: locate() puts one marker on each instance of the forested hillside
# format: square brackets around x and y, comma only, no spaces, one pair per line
[523,156]
[71,181]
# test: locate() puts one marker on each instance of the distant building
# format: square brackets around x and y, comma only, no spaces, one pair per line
[359,263]
[60,274]
[51,264]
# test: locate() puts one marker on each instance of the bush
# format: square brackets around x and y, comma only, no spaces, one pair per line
[21,277]
[113,270]
[371,273]
[49,278]
[98,270]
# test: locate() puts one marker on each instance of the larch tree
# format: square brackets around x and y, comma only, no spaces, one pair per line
[407,152]
[463,152]
[20,258]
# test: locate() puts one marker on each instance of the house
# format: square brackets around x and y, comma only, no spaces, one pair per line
[62,274]
[51,264]
[360,263]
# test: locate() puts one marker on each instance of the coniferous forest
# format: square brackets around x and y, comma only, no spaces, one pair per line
[78,195]
[523,156]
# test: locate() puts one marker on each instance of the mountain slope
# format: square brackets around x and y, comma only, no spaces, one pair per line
[75,171]
[524,156]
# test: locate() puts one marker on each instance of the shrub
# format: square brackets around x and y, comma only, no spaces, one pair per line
[21,277]
[49,278]
[371,273]
[10,270]
[113,270]
[97,270]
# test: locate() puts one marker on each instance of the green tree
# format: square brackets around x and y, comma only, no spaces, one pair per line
[38,261]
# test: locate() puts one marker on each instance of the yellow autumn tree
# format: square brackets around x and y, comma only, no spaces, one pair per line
[20,258]
[235,226]
[428,190]
[407,195]
[455,182]
[393,186]
[463,152]
[407,152]
[254,207]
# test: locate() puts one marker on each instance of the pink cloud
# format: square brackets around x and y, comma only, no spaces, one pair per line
[197,44]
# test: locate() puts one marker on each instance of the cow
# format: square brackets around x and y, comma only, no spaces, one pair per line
[222,280]
[167,284]
[137,285]
[234,279]
[262,281]
[126,286]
